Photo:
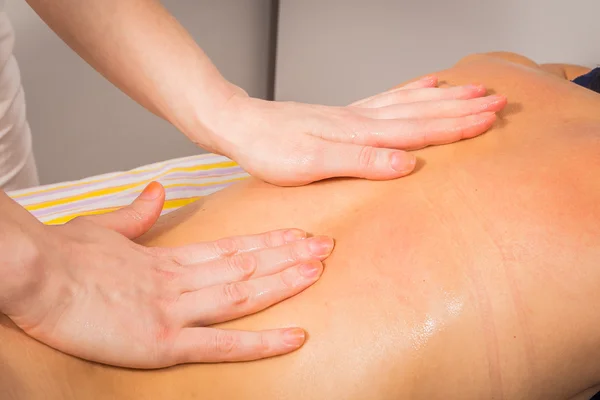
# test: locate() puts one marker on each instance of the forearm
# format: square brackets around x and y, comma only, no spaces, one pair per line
[18,251]
[143,50]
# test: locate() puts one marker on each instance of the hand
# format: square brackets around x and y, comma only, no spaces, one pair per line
[99,296]
[295,144]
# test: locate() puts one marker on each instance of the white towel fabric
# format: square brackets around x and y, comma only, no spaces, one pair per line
[17,164]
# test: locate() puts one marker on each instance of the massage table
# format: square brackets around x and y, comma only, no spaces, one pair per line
[185,180]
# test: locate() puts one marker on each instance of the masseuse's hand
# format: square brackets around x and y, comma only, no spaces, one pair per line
[283,143]
[295,144]
[99,296]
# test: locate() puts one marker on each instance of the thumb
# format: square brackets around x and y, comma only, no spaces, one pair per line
[138,217]
[343,159]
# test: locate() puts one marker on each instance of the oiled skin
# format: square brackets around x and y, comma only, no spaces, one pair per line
[475,278]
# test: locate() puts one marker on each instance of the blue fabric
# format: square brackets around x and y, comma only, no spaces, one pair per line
[591,80]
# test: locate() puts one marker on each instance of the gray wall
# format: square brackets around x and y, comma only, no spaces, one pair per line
[337,51]
[82,125]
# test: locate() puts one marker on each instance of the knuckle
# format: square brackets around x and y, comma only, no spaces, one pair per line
[159,348]
[162,332]
[297,251]
[178,258]
[272,239]
[226,246]
[242,265]
[224,342]
[367,157]
[236,293]
[288,279]
[263,346]
[164,274]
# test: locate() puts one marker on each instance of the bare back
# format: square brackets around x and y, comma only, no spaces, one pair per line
[475,276]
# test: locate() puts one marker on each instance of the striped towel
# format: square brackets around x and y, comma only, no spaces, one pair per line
[185,180]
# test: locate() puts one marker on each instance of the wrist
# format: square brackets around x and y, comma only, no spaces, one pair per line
[20,257]
[212,117]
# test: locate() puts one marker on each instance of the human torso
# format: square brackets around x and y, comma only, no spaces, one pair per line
[473,278]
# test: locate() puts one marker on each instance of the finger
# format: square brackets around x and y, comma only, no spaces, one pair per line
[425,82]
[350,160]
[199,345]
[426,94]
[234,300]
[438,109]
[419,133]
[207,251]
[254,264]
[138,217]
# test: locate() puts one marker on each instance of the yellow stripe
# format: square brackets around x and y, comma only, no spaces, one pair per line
[173,203]
[202,167]
[166,187]
[177,203]
[113,190]
[78,183]
[83,196]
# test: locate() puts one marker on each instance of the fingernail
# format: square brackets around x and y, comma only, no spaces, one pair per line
[293,235]
[151,192]
[321,246]
[294,337]
[403,162]
[311,270]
